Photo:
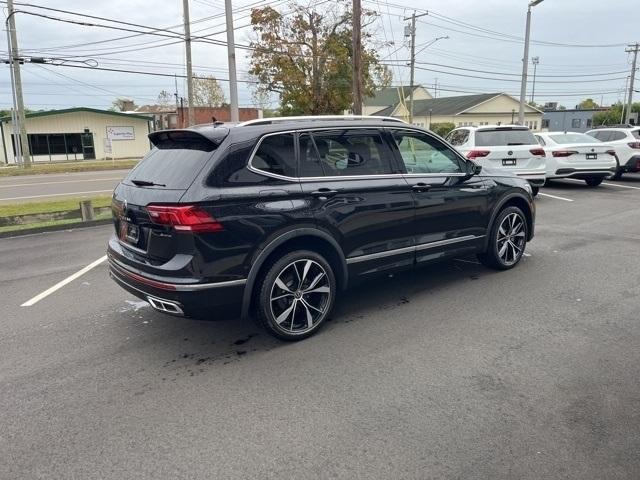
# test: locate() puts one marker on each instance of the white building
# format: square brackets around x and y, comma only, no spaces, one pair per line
[79,134]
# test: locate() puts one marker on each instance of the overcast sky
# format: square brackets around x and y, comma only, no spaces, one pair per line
[564,74]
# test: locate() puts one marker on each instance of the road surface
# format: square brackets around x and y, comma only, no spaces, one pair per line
[451,372]
[29,188]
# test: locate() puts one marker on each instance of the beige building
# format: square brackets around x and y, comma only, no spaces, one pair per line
[466,110]
[79,134]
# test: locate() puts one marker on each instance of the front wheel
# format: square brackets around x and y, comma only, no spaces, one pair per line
[507,240]
[296,295]
[617,174]
[594,181]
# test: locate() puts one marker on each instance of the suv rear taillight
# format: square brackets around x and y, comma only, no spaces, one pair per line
[477,154]
[563,153]
[537,151]
[184,218]
[634,145]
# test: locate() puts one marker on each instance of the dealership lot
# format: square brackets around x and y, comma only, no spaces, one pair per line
[454,371]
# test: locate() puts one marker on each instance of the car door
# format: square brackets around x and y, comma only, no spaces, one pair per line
[356,192]
[451,206]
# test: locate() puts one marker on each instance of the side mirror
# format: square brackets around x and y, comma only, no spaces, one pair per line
[472,169]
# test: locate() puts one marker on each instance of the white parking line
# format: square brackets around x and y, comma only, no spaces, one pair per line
[55,195]
[62,283]
[556,197]
[61,181]
[621,186]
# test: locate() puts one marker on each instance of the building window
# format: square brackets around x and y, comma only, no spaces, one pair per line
[67,144]
[545,123]
[576,123]
[535,125]
[589,122]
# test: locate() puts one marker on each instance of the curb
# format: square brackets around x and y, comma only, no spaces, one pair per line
[56,228]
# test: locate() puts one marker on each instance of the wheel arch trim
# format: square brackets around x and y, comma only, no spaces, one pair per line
[499,207]
[260,259]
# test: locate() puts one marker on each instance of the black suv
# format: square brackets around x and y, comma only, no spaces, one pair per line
[272,218]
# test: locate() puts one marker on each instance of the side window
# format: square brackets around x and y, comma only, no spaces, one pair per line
[541,140]
[423,154]
[276,154]
[617,136]
[338,153]
[458,137]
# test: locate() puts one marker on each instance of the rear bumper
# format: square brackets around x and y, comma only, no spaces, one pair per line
[219,300]
[535,177]
[582,173]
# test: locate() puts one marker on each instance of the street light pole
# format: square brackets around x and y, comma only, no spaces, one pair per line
[525,62]
[535,61]
[19,124]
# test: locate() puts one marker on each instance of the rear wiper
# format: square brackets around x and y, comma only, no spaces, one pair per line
[147,183]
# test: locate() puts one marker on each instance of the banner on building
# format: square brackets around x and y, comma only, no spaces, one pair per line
[120,133]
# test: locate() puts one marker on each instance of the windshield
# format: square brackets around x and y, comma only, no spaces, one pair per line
[169,167]
[565,138]
[504,137]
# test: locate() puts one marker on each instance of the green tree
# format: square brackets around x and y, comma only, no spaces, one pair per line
[207,92]
[588,104]
[442,128]
[305,57]
[613,116]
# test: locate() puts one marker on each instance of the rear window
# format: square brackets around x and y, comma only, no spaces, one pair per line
[566,138]
[170,166]
[504,137]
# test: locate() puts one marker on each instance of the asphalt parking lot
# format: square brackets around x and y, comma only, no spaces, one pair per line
[454,371]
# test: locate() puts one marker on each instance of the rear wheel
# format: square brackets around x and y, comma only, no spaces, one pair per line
[296,295]
[507,240]
[535,190]
[594,181]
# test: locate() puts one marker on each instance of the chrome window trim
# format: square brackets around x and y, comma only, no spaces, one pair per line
[415,248]
[286,178]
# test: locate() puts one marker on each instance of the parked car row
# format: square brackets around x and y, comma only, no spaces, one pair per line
[590,157]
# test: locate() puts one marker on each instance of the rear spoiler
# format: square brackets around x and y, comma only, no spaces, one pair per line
[208,139]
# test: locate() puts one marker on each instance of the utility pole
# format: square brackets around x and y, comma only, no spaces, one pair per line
[187,42]
[412,64]
[20,126]
[356,40]
[525,62]
[632,49]
[231,54]
[535,61]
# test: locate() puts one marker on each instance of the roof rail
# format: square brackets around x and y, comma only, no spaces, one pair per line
[269,121]
[616,125]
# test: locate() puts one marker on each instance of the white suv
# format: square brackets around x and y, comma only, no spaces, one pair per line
[511,148]
[625,141]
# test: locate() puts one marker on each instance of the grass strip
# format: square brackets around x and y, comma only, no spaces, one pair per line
[15,228]
[68,167]
[50,206]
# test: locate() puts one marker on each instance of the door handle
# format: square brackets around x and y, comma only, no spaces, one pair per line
[421,187]
[324,192]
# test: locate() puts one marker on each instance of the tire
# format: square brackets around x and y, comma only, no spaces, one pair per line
[593,181]
[617,174]
[534,190]
[296,295]
[512,254]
